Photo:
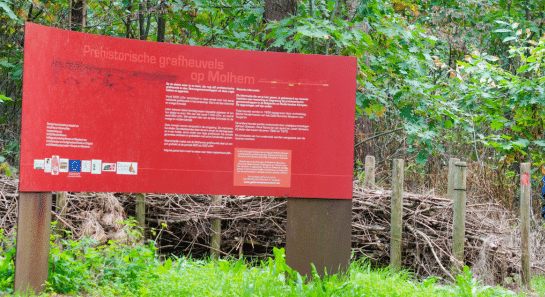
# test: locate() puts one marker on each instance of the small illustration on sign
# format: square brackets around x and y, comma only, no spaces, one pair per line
[64,165]
[55,165]
[109,167]
[85,166]
[39,164]
[47,166]
[96,167]
[129,168]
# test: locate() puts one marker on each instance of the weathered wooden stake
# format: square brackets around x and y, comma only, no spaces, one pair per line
[369,179]
[215,241]
[33,230]
[61,202]
[141,209]
[397,214]
[459,227]
[525,190]
[451,175]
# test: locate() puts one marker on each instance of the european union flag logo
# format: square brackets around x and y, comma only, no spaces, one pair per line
[75,166]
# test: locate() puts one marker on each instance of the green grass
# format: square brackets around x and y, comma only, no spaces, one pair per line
[538,284]
[80,267]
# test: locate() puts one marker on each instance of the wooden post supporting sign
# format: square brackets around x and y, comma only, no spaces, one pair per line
[525,190]
[33,230]
[318,232]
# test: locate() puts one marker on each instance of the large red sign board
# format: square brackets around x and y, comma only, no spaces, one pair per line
[117,115]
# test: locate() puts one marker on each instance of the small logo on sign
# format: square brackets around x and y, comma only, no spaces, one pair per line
[39,164]
[109,167]
[64,165]
[75,166]
[47,167]
[129,168]
[85,166]
[96,166]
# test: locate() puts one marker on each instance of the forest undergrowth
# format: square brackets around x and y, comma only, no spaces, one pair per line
[133,268]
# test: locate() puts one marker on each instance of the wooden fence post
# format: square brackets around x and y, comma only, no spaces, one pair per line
[61,203]
[451,176]
[369,179]
[140,210]
[215,241]
[33,230]
[459,220]
[525,192]
[397,214]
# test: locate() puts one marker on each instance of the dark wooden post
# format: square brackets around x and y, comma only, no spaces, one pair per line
[318,232]
[33,231]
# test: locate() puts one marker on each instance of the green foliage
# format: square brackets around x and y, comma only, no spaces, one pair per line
[84,265]
[133,269]
[7,267]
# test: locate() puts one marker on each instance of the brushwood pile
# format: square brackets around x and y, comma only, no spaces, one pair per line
[252,226]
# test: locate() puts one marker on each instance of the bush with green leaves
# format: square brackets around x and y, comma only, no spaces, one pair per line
[85,267]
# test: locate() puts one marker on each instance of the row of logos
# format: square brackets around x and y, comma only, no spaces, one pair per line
[56,165]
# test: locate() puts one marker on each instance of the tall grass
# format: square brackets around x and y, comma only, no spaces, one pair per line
[82,267]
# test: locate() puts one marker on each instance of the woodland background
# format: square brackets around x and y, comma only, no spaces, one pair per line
[436,80]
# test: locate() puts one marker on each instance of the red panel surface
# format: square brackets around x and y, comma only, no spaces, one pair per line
[117,115]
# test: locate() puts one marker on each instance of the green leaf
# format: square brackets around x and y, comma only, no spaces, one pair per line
[503,23]
[503,30]
[6,64]
[8,11]
[422,158]
[496,125]
[507,39]
[4,98]
[540,143]
[522,142]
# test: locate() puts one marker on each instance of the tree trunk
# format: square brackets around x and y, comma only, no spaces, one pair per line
[77,15]
[276,10]
[129,21]
[144,19]
[161,22]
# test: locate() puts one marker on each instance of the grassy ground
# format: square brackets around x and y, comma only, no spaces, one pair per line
[81,268]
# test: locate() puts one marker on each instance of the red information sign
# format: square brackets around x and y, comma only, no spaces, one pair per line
[118,115]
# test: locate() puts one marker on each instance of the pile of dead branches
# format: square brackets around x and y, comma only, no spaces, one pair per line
[253,225]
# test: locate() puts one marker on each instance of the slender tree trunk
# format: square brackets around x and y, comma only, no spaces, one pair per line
[161,22]
[77,15]
[128,23]
[144,19]
[276,10]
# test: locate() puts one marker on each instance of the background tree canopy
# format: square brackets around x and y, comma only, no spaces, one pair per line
[441,78]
